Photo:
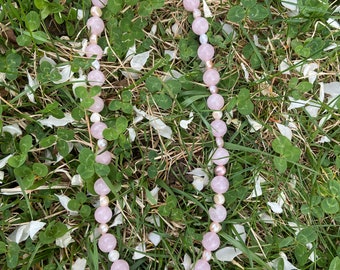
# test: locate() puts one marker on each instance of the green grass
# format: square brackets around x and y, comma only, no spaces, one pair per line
[304,170]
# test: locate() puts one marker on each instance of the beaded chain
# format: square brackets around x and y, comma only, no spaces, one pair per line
[107,242]
[220,157]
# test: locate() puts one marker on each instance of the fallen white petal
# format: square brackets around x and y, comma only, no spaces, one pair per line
[130,53]
[117,221]
[330,47]
[241,232]
[65,240]
[140,250]
[295,227]
[185,123]
[76,180]
[66,74]
[51,121]
[33,85]
[132,134]
[296,103]
[313,108]
[324,139]
[171,53]
[47,59]
[4,161]
[172,74]
[286,264]
[333,23]
[266,218]
[275,207]
[227,254]
[333,90]
[162,129]
[79,264]
[285,131]
[78,82]
[284,67]
[154,238]
[2,175]
[228,29]
[153,29]
[63,199]
[201,178]
[206,10]
[153,219]
[255,126]
[256,42]
[35,227]
[187,263]
[246,73]
[14,130]
[22,232]
[198,183]
[257,191]
[176,29]
[130,74]
[290,4]
[154,192]
[80,14]
[138,61]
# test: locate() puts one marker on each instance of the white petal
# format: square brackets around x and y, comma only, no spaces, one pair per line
[228,29]
[227,254]
[284,67]
[35,227]
[153,29]
[160,127]
[130,53]
[77,82]
[206,10]
[275,207]
[286,264]
[176,29]
[132,134]
[290,4]
[154,219]
[256,42]
[257,191]
[255,126]
[4,161]
[139,115]
[2,175]
[172,74]
[117,221]
[333,23]
[295,227]
[138,61]
[296,103]
[324,139]
[154,238]
[285,131]
[76,180]
[198,183]
[336,10]
[332,89]
[184,123]
[65,72]
[154,192]
[20,234]
[330,47]
[266,218]
[47,59]
[313,108]
[171,53]
[187,263]
[52,121]
[138,255]
[65,240]
[14,130]
[241,232]
[63,199]
[79,264]
[80,14]
[130,74]
[246,73]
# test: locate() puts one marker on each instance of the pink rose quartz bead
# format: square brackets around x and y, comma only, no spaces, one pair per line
[97,129]
[211,241]
[104,158]
[95,25]
[101,188]
[99,3]
[220,157]
[205,52]
[107,242]
[219,128]
[190,5]
[211,77]
[103,214]
[94,49]
[218,213]
[200,26]
[202,265]
[120,265]
[215,102]
[96,77]
[220,170]
[98,105]
[219,184]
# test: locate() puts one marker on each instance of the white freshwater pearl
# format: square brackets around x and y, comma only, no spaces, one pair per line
[219,199]
[207,255]
[95,117]
[104,200]
[96,11]
[93,39]
[215,227]
[113,255]
[217,115]
[203,39]
[196,13]
[102,143]
[103,228]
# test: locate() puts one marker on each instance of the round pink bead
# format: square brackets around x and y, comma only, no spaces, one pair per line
[211,241]
[215,102]
[96,77]
[98,105]
[101,188]
[190,5]
[200,26]
[205,52]
[220,170]
[120,265]
[95,25]
[219,128]
[94,49]
[221,156]
[97,129]
[202,265]
[218,213]
[219,184]
[211,77]
[99,3]
[104,158]
[103,214]
[107,242]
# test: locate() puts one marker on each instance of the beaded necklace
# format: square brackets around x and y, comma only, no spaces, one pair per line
[215,102]
[219,184]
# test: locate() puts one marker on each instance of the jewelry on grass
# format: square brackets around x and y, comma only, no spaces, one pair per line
[215,102]
[107,242]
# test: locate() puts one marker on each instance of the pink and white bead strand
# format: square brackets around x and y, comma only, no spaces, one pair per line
[107,242]
[215,102]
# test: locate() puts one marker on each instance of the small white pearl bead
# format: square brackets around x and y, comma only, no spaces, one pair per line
[209,64]
[206,255]
[104,200]
[93,39]
[219,199]
[96,11]
[217,115]
[219,142]
[203,39]
[213,89]
[103,228]
[196,13]
[215,227]
[102,143]
[95,117]
[113,255]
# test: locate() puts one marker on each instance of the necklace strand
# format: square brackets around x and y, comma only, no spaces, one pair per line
[215,102]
